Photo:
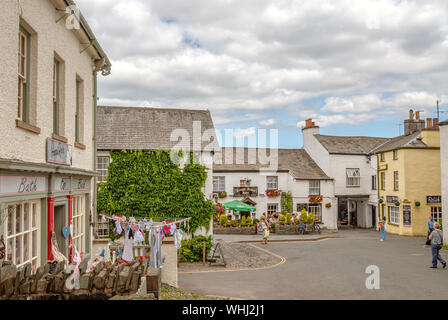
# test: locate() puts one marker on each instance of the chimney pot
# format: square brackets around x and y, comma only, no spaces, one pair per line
[435,123]
[417,114]
[308,123]
[428,123]
[411,114]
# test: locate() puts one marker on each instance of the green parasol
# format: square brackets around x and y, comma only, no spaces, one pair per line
[238,206]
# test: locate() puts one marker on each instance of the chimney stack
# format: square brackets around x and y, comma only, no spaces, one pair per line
[412,125]
[309,123]
[435,123]
[428,123]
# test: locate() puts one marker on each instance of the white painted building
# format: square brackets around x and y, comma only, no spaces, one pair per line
[242,177]
[47,128]
[348,160]
[444,171]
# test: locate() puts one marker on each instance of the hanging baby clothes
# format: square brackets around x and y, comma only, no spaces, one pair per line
[155,259]
[139,237]
[178,235]
[172,229]
[118,230]
[128,252]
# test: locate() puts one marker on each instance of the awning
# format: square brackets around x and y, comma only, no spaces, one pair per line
[237,205]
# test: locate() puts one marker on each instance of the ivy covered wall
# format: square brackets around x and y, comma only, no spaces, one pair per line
[149,184]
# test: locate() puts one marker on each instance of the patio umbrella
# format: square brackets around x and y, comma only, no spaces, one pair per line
[237,205]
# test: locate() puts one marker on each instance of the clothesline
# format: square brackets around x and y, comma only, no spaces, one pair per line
[154,227]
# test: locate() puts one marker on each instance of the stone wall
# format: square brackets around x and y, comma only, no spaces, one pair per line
[235,230]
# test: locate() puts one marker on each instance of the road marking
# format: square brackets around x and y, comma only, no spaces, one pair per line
[283,260]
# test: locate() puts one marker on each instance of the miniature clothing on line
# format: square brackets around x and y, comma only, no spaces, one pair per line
[128,252]
[155,259]
[139,237]
[118,229]
[178,235]
[173,229]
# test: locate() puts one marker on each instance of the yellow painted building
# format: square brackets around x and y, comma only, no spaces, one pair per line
[409,179]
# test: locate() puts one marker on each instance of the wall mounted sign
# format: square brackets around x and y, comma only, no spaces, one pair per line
[407,216]
[62,184]
[433,199]
[391,199]
[59,152]
[10,185]
[81,184]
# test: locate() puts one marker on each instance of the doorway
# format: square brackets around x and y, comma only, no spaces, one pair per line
[373,217]
[60,221]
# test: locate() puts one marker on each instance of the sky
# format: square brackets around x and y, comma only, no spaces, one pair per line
[355,67]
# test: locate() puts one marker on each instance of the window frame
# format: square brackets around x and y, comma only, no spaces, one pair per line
[270,206]
[269,184]
[383,180]
[56,95]
[24,62]
[78,222]
[354,177]
[221,184]
[439,213]
[382,157]
[395,154]
[396,181]
[317,213]
[104,171]
[312,187]
[78,111]
[375,182]
[394,215]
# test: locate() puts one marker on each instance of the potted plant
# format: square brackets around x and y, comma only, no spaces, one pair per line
[315,199]
[328,205]
[273,193]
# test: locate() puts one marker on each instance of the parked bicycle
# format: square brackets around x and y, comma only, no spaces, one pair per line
[309,228]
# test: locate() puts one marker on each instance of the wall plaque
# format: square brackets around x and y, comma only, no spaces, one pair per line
[407,216]
[433,199]
[59,152]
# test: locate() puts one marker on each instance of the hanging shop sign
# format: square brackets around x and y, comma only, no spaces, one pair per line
[407,217]
[391,199]
[17,185]
[433,199]
[59,152]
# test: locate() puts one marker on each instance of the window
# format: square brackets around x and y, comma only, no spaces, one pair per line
[436,213]
[316,210]
[102,167]
[353,178]
[314,187]
[272,207]
[382,158]
[272,183]
[79,110]
[23,75]
[219,184]
[396,180]
[394,215]
[395,154]
[374,183]
[23,233]
[78,220]
[383,181]
[56,100]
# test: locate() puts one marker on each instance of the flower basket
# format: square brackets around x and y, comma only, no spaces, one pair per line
[328,205]
[397,203]
[417,203]
[222,195]
[316,199]
[380,200]
[273,193]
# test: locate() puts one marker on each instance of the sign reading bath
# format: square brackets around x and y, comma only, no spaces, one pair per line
[10,185]
[66,232]
[59,152]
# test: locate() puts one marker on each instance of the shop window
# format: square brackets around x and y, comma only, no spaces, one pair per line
[436,213]
[23,233]
[394,215]
[272,207]
[78,221]
[102,168]
[316,210]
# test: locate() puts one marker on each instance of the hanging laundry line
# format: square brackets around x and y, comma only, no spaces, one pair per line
[162,223]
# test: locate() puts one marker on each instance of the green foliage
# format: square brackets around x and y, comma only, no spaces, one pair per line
[310,218]
[288,218]
[303,216]
[273,225]
[191,250]
[243,221]
[149,184]
[282,219]
[249,221]
[287,202]
[223,220]
[256,220]
[234,223]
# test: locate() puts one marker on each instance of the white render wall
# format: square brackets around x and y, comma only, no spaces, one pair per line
[51,37]
[316,150]
[444,167]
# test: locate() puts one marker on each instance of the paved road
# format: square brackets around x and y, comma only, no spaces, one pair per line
[334,269]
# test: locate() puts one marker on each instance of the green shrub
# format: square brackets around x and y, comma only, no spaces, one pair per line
[273,225]
[256,221]
[234,223]
[249,221]
[243,221]
[310,218]
[223,220]
[303,216]
[191,250]
[288,218]
[282,219]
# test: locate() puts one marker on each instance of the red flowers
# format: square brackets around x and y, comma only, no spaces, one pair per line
[273,193]
[328,205]
[315,199]
[222,195]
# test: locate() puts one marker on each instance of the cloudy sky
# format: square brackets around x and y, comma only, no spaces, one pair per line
[355,66]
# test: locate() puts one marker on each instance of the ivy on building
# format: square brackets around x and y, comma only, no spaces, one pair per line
[148,184]
[286,202]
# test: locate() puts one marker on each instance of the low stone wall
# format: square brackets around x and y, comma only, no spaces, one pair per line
[286,229]
[235,230]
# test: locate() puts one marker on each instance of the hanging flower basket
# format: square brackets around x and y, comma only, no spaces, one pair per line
[328,205]
[397,203]
[417,203]
[315,199]
[380,200]
[273,193]
[222,195]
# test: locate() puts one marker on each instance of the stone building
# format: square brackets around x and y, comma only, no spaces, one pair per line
[349,161]
[444,174]
[50,60]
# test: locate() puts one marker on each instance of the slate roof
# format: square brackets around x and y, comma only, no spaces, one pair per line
[350,145]
[120,128]
[295,161]
[405,141]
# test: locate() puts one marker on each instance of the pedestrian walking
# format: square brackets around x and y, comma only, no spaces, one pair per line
[383,228]
[430,230]
[264,228]
[436,237]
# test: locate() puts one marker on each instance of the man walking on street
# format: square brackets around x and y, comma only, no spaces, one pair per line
[430,229]
[436,245]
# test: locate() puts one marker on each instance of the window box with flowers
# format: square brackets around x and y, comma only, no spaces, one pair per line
[328,205]
[315,199]
[273,193]
[222,195]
